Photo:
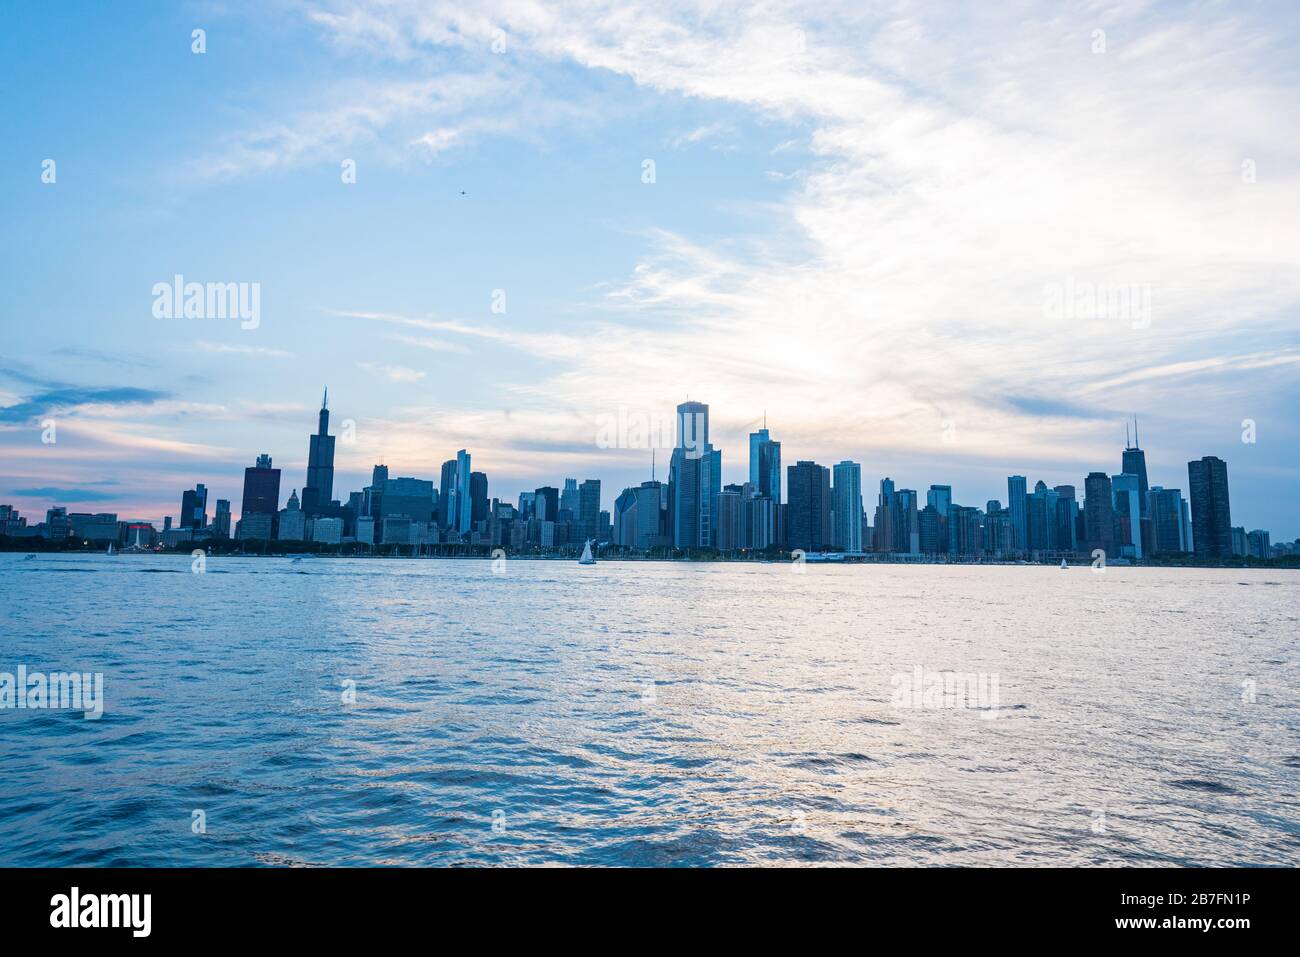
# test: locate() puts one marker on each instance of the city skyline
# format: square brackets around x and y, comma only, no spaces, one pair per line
[926,263]
[1119,515]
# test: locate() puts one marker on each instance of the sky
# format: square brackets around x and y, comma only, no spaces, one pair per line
[951,242]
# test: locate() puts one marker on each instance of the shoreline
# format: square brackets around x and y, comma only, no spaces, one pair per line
[483,553]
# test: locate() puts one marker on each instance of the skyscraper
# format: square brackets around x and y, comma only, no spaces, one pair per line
[569,496]
[1166,506]
[1128,514]
[446,495]
[588,511]
[940,496]
[373,500]
[730,519]
[1016,506]
[1258,544]
[809,507]
[194,507]
[765,464]
[1040,518]
[847,507]
[886,525]
[639,516]
[464,505]
[261,498]
[1207,485]
[765,474]
[546,503]
[221,521]
[1067,519]
[1135,463]
[478,497]
[319,490]
[1099,514]
[694,479]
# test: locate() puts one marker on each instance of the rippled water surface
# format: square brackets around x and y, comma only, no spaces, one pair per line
[648,714]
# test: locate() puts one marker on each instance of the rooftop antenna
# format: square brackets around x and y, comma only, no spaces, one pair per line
[1127,443]
[652,463]
[325,399]
[1136,444]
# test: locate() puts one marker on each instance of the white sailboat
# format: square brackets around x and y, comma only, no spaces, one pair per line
[587,558]
[110,549]
[1064,563]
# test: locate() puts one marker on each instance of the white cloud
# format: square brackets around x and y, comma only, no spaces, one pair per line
[395,373]
[963,159]
[236,349]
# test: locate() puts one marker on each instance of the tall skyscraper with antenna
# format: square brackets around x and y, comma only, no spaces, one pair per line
[1134,462]
[319,490]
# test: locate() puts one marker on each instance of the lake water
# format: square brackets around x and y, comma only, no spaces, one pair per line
[649,714]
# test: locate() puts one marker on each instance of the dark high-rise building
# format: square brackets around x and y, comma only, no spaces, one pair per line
[1040,519]
[1067,519]
[731,530]
[261,489]
[765,464]
[319,490]
[934,533]
[1135,463]
[588,515]
[1099,514]
[965,531]
[446,495]
[887,518]
[1207,483]
[569,496]
[478,497]
[940,496]
[1128,514]
[1165,506]
[808,492]
[546,504]
[373,501]
[194,507]
[1017,504]
[908,541]
[408,498]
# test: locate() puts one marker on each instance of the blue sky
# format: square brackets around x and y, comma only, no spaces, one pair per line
[858,217]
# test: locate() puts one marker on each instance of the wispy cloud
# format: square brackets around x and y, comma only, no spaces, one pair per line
[56,494]
[394,373]
[243,350]
[947,189]
[62,401]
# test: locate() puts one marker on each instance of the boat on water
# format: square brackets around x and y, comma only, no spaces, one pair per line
[1064,563]
[111,551]
[587,558]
